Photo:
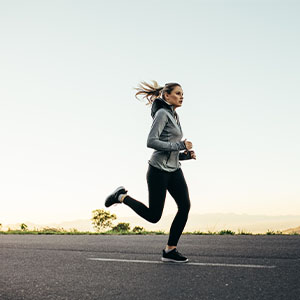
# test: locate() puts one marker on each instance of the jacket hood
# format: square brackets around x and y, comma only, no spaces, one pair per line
[158,104]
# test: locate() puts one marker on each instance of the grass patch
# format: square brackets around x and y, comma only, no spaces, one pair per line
[272,232]
[226,231]
[62,231]
[242,232]
[144,232]
[197,232]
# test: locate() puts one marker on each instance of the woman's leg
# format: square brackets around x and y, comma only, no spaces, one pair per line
[157,181]
[178,189]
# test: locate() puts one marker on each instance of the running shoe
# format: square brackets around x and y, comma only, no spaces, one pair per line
[173,256]
[113,198]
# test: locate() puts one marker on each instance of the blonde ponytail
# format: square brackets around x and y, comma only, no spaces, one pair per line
[149,91]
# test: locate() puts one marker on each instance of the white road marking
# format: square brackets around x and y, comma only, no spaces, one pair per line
[187,264]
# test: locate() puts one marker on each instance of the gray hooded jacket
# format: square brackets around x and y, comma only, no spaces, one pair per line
[165,137]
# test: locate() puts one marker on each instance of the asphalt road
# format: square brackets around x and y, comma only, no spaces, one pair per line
[129,267]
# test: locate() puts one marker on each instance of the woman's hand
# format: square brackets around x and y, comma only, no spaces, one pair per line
[193,154]
[187,155]
[188,144]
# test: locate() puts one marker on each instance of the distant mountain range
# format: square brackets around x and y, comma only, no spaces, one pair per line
[200,222]
[292,230]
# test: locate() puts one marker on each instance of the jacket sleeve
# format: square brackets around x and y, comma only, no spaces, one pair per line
[159,122]
[185,155]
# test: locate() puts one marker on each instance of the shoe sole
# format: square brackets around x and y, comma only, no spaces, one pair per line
[112,196]
[164,259]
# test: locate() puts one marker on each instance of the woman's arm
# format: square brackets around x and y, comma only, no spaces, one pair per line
[153,141]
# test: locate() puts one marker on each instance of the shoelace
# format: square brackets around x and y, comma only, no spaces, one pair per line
[178,253]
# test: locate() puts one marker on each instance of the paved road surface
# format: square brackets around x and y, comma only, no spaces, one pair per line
[129,267]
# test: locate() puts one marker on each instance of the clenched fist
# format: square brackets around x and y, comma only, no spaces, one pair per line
[193,154]
[188,144]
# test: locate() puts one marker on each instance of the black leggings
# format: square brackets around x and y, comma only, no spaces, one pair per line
[159,182]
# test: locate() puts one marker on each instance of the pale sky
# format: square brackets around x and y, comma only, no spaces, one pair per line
[71,130]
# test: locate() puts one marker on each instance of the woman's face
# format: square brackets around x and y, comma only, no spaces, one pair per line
[175,98]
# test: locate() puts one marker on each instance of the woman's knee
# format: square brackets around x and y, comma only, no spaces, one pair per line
[154,218]
[185,208]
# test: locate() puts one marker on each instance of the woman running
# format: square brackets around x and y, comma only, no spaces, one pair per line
[164,170]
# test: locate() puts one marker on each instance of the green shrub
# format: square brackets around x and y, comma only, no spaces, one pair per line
[52,230]
[226,231]
[102,219]
[138,229]
[121,227]
[23,227]
[270,232]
